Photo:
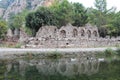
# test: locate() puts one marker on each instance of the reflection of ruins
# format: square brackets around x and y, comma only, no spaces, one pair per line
[68,37]
[64,67]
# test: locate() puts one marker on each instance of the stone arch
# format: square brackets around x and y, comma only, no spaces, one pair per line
[55,30]
[89,33]
[63,33]
[75,32]
[82,32]
[95,33]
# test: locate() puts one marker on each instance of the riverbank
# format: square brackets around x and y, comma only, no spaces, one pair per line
[44,50]
[13,53]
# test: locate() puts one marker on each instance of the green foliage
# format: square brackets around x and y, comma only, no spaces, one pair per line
[109,52]
[101,5]
[80,17]
[17,21]
[11,21]
[18,45]
[115,31]
[28,31]
[101,16]
[118,51]
[54,55]
[63,12]
[59,14]
[3,29]
[102,31]
[35,20]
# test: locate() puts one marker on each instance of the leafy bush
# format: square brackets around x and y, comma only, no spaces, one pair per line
[109,52]
[18,45]
[54,55]
[118,51]
[3,29]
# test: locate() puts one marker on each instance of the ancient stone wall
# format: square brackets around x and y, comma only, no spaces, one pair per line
[69,37]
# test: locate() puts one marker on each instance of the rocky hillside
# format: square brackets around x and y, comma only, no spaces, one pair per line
[8,7]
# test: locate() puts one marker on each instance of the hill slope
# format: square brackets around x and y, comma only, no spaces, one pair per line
[8,7]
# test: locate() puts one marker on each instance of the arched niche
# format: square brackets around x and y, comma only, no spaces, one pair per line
[75,32]
[95,33]
[63,33]
[82,32]
[89,33]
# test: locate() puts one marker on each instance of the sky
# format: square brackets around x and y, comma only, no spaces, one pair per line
[90,3]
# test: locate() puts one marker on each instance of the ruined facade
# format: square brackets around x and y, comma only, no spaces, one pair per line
[69,37]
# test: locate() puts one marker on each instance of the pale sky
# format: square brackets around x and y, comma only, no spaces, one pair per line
[90,3]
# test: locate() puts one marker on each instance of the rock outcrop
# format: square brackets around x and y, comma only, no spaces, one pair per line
[1,12]
[17,6]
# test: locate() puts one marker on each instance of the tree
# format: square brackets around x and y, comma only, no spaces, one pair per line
[15,23]
[80,17]
[115,25]
[35,20]
[63,12]
[101,5]
[102,31]
[101,16]
[3,29]
[30,23]
[11,22]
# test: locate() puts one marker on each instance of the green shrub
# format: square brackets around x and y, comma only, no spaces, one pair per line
[3,29]
[18,45]
[109,52]
[118,51]
[54,55]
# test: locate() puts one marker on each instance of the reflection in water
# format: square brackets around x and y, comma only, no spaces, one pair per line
[64,67]
[59,69]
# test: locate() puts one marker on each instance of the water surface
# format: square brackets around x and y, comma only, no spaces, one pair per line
[69,68]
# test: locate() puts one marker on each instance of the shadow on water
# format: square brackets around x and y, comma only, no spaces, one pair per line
[79,68]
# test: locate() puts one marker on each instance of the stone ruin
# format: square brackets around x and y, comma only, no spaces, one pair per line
[69,37]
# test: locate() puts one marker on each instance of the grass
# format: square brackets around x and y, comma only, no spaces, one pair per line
[54,55]
[109,54]
[10,45]
[36,56]
[118,51]
[18,45]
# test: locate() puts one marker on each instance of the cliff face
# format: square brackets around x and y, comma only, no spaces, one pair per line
[5,3]
[1,11]
[17,6]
